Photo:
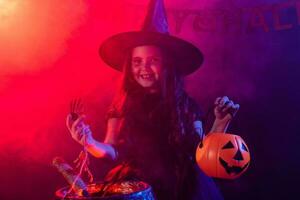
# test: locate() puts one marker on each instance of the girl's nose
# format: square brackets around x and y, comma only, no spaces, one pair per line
[146,65]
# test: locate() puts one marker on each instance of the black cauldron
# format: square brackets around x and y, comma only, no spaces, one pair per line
[125,190]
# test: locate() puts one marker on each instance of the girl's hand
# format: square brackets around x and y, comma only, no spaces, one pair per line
[80,131]
[225,109]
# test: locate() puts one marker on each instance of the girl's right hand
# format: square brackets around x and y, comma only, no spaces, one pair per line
[80,131]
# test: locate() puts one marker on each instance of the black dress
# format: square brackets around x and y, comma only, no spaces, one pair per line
[147,152]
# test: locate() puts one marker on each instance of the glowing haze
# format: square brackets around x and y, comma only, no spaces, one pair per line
[49,55]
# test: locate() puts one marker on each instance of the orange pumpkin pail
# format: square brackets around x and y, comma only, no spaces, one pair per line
[223,155]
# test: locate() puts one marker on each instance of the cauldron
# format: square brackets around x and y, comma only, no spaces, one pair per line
[125,190]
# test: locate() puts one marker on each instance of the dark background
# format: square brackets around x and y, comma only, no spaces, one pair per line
[51,57]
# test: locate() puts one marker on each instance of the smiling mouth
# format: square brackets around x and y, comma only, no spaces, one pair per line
[233,169]
[147,76]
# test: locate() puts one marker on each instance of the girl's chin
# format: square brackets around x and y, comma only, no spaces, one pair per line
[147,84]
[150,87]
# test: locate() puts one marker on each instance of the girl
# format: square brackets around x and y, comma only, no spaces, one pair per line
[153,126]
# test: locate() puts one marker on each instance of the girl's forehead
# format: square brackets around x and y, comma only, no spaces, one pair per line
[146,50]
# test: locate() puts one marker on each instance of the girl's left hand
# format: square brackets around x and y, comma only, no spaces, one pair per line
[225,109]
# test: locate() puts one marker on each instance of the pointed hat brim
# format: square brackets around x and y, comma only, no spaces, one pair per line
[113,50]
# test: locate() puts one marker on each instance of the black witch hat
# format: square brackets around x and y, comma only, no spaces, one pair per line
[154,32]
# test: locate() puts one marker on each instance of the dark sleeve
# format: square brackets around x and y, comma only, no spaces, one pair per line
[113,112]
[122,145]
[194,109]
[193,114]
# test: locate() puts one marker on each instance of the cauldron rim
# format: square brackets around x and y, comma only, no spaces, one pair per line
[148,189]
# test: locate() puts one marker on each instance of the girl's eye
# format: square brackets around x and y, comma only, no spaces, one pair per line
[154,59]
[136,62]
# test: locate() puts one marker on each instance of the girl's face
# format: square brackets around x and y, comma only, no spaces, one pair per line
[146,65]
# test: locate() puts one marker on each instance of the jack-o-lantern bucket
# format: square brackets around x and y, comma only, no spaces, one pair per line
[223,155]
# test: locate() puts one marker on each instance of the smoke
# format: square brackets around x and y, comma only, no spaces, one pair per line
[34,33]
[33,36]
[49,56]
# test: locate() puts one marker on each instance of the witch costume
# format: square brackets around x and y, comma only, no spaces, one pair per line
[147,148]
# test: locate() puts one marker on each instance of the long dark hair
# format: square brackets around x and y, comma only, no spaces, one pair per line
[173,97]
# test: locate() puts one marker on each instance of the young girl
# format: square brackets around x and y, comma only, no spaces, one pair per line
[153,126]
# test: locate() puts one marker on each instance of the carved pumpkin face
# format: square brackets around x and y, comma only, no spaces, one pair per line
[223,155]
